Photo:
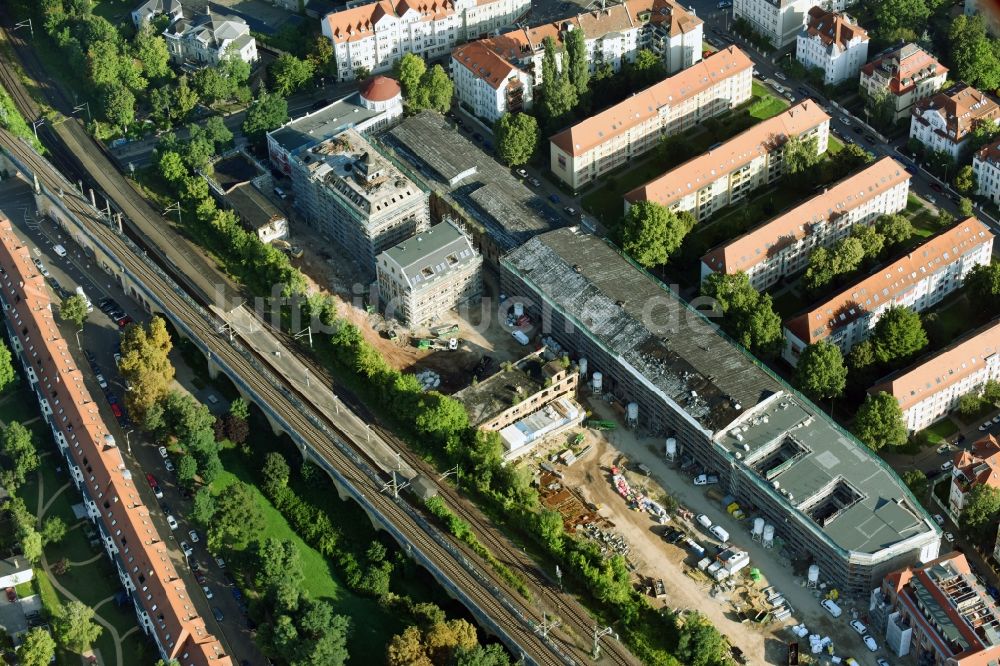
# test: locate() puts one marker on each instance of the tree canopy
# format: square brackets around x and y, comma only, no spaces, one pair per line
[19,449]
[982,283]
[700,643]
[974,55]
[895,229]
[578,65]
[74,310]
[821,372]
[901,19]
[981,510]
[517,138]
[145,365]
[238,517]
[37,649]
[879,422]
[800,154]
[289,73]
[74,627]
[898,334]
[7,374]
[651,233]
[748,315]
[266,113]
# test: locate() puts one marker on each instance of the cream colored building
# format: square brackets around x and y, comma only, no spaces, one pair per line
[945,121]
[782,246]
[726,175]
[986,167]
[833,43]
[613,137]
[908,74]
[778,20]
[490,85]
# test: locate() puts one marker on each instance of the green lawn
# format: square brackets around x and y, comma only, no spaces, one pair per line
[834,145]
[953,318]
[940,431]
[765,104]
[737,220]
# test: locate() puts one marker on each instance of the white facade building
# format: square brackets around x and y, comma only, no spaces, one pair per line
[986,167]
[834,44]
[206,39]
[778,20]
[945,121]
[908,74]
[152,9]
[488,83]
[782,246]
[727,174]
[917,281]
[374,37]
[927,391]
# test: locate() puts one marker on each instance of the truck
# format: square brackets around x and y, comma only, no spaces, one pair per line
[86,299]
[444,331]
[719,533]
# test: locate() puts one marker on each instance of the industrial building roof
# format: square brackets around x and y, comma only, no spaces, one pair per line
[640,107]
[253,206]
[890,281]
[501,391]
[744,148]
[320,125]
[431,255]
[759,244]
[944,369]
[509,211]
[835,484]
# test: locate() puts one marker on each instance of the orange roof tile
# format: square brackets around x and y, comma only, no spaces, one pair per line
[891,281]
[758,244]
[833,28]
[739,151]
[108,481]
[949,366]
[483,63]
[637,109]
[905,67]
[356,23]
[981,465]
[962,108]
[990,153]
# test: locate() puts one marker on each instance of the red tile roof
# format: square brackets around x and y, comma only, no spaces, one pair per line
[349,25]
[108,480]
[962,108]
[380,89]
[890,281]
[483,63]
[833,28]
[981,465]
[905,67]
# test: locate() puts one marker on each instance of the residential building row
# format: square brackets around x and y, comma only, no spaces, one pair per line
[207,39]
[939,612]
[986,167]
[918,281]
[944,122]
[779,21]
[613,137]
[905,75]
[374,37]
[833,43]
[422,278]
[773,450]
[728,173]
[137,547]
[488,84]
[932,387]
[357,198]
[781,247]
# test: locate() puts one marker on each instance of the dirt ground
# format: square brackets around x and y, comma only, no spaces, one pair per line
[687,588]
[481,331]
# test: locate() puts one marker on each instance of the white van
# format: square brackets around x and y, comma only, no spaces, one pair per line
[831,608]
[704,521]
[60,250]
[86,299]
[719,533]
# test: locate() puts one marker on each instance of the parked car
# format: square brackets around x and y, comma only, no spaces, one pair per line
[220,562]
[871,644]
[168,465]
[946,465]
[936,187]
[781,75]
[522,173]
[858,626]
[163,452]
[931,199]
[939,519]
[186,547]
[831,608]
[535,182]
[194,536]
[477,137]
[172,522]
[101,381]
[217,612]
[986,425]
[949,537]
[570,211]
[41,267]
[11,594]
[208,591]
[554,198]
[846,119]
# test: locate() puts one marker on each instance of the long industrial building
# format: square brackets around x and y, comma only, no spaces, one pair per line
[782,246]
[826,497]
[726,175]
[162,602]
[918,281]
[932,387]
[608,140]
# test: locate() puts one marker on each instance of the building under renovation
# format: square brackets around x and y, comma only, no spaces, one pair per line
[823,496]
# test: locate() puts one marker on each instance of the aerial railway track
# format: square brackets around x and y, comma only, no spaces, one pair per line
[70,146]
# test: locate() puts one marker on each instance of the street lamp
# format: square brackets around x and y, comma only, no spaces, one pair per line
[78,345]
[26,22]
[84,106]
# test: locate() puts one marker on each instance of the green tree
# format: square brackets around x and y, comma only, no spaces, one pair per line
[851,158]
[439,87]
[881,107]
[238,518]
[870,239]
[37,649]
[410,72]
[203,507]
[171,167]
[898,334]
[74,627]
[289,73]
[185,98]
[517,138]
[53,530]
[917,482]
[7,374]
[19,449]
[879,422]
[578,65]
[647,69]
[150,49]
[965,180]
[266,113]
[965,207]
[74,310]
[145,365]
[490,655]
[240,409]
[895,229]
[278,571]
[900,19]
[558,95]
[32,545]
[549,528]
[991,391]
[982,284]
[651,233]
[980,511]
[974,54]
[215,130]
[970,404]
[748,315]
[276,473]
[187,470]
[321,56]
[700,643]
[800,154]
[119,106]
[211,467]
[821,372]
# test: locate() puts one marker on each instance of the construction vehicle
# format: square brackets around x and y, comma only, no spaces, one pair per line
[422,343]
[735,511]
[444,331]
[598,424]
[577,439]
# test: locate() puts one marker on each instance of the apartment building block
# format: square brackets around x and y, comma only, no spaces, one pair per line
[986,167]
[907,74]
[374,37]
[939,613]
[727,174]
[105,478]
[613,137]
[355,197]
[833,43]
[424,277]
[781,246]
[945,121]
[918,281]
[490,85]
[931,388]
[206,39]
[778,20]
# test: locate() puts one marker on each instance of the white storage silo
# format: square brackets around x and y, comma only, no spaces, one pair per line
[596,382]
[768,536]
[671,448]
